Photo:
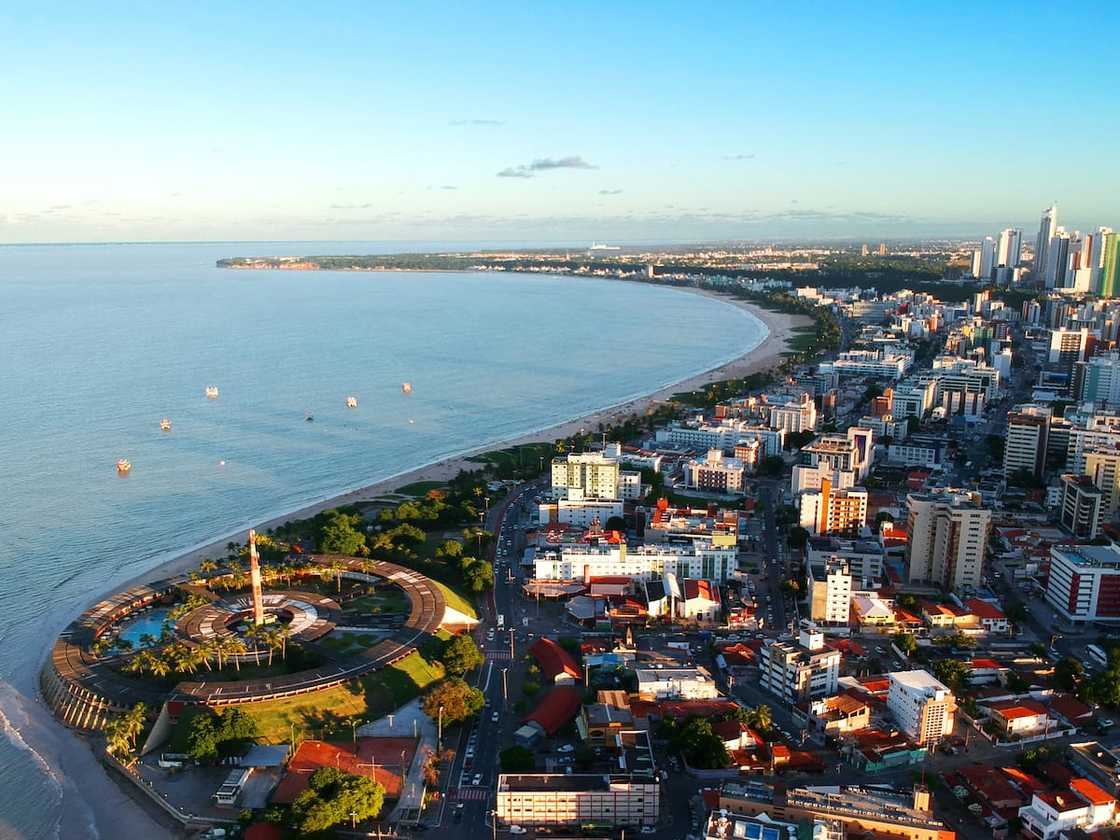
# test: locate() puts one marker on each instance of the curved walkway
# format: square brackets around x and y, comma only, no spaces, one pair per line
[83,690]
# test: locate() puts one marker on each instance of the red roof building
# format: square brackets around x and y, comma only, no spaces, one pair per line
[376,758]
[557,665]
[557,709]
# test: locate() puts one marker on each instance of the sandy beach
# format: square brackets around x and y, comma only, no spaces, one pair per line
[765,355]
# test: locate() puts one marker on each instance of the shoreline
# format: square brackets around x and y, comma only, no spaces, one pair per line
[765,354]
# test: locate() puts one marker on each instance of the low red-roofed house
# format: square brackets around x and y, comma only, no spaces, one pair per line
[1082,806]
[1019,718]
[1072,709]
[990,616]
[557,665]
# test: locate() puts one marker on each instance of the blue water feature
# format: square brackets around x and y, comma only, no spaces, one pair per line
[150,623]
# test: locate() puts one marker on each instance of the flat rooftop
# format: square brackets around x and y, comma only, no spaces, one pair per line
[562,783]
[918,679]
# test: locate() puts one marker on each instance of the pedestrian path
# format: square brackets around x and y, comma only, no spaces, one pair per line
[495,655]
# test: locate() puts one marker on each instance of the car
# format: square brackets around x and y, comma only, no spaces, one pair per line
[516,829]
[476,779]
[494,717]
[647,829]
[567,748]
[1105,723]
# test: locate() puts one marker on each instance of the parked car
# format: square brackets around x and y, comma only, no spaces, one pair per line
[516,829]
[567,748]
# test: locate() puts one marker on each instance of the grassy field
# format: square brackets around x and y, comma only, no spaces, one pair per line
[368,698]
[525,455]
[419,488]
[383,601]
[346,643]
[456,601]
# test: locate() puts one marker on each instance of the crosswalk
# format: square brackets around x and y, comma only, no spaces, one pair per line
[472,793]
[496,655]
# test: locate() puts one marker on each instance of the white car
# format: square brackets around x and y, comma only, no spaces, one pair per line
[494,717]
[516,829]
[567,748]
[477,780]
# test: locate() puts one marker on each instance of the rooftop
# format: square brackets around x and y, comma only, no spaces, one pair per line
[558,782]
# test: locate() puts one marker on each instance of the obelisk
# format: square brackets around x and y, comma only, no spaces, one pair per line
[255,579]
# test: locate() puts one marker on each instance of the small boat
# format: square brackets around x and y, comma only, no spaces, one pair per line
[165,425]
[211,392]
[410,420]
[309,418]
[406,387]
[222,463]
[351,402]
[124,466]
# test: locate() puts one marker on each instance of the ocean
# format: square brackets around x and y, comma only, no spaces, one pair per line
[99,342]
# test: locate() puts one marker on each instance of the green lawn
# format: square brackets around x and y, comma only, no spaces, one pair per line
[349,642]
[456,601]
[419,488]
[367,698]
[382,601]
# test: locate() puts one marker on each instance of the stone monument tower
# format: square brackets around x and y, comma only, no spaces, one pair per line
[255,579]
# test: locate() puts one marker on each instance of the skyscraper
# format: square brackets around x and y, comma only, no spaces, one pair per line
[1110,265]
[1046,229]
[1010,247]
[987,258]
[1057,259]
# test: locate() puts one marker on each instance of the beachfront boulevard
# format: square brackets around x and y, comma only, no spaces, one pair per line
[88,677]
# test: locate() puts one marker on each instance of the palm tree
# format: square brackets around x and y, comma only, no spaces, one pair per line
[285,632]
[101,646]
[207,566]
[137,663]
[333,567]
[762,719]
[254,634]
[271,638]
[147,640]
[235,647]
[160,667]
[134,722]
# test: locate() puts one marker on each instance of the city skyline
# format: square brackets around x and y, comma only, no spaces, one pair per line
[639,123]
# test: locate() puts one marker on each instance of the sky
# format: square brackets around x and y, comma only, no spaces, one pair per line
[611,122]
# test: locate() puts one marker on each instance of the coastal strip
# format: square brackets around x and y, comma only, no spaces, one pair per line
[765,355]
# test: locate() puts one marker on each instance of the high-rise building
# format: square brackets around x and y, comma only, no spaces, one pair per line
[830,591]
[1046,229]
[1010,247]
[829,511]
[1057,259]
[921,705]
[594,475]
[1024,448]
[948,538]
[987,258]
[1103,468]
[1084,582]
[865,250]
[1110,266]
[797,672]
[579,798]
[882,249]
[1099,380]
[1081,508]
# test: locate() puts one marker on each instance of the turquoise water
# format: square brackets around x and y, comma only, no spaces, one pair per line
[97,343]
[149,623]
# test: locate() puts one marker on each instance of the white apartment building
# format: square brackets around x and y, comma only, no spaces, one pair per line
[577,799]
[594,475]
[885,427]
[922,706]
[830,591]
[1084,583]
[913,398]
[948,539]
[716,473]
[805,477]
[697,559]
[676,683]
[795,415]
[579,512]
[771,441]
[1103,467]
[801,671]
[850,452]
[705,436]
[864,558]
[1025,444]
[869,363]
[919,451]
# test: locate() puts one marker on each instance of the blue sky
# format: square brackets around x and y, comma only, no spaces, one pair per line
[643,121]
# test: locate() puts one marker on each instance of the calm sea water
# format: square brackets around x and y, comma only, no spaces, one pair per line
[97,343]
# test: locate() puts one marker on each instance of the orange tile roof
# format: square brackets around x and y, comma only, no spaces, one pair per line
[1091,792]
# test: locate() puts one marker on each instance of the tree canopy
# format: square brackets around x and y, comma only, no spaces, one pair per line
[461,654]
[478,575]
[700,746]
[333,797]
[210,736]
[517,760]
[459,700]
[339,535]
